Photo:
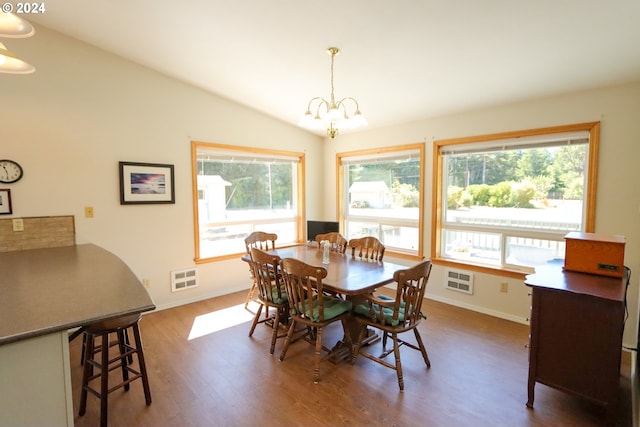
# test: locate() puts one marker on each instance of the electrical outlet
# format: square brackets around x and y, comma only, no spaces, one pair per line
[504,287]
[18,224]
[88,212]
[146,283]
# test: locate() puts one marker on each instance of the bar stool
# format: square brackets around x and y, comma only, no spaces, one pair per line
[104,364]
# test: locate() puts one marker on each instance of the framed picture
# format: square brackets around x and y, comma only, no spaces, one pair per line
[5,201]
[142,183]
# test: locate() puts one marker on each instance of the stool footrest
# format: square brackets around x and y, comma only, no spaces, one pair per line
[114,388]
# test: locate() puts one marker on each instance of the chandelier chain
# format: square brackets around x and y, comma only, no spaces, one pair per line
[333,52]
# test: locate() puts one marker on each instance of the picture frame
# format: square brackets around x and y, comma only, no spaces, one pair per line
[146,183]
[5,201]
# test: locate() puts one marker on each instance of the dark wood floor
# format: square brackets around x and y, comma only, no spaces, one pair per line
[478,377]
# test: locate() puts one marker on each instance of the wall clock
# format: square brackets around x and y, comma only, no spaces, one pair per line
[10,171]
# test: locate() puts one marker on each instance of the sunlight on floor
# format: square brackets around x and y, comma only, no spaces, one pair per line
[218,320]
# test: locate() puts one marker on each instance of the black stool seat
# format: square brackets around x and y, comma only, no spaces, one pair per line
[104,363]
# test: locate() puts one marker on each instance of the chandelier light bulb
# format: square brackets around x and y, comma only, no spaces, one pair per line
[334,114]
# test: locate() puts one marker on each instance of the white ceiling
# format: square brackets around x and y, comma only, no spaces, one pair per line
[402,60]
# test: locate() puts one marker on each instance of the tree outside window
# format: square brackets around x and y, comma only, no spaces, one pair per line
[508,200]
[240,190]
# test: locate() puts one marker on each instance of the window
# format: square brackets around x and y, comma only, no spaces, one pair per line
[238,190]
[380,194]
[506,201]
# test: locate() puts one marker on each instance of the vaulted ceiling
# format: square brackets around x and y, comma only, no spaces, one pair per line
[402,60]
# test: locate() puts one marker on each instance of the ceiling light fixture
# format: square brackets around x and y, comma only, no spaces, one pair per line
[332,115]
[12,26]
[11,64]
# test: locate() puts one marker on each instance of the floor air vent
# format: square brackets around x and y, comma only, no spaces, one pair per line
[459,281]
[184,279]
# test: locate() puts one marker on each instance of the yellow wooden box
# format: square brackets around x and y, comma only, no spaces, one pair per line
[595,253]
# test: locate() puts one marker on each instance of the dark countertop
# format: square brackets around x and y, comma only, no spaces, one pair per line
[54,289]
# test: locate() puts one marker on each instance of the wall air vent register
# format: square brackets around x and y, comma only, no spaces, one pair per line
[184,279]
[459,281]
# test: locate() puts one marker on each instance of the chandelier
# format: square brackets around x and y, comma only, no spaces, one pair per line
[331,115]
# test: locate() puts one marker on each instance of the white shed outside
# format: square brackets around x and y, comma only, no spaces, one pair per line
[211,198]
[372,194]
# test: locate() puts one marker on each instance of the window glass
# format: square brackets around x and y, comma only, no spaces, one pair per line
[240,191]
[509,202]
[381,196]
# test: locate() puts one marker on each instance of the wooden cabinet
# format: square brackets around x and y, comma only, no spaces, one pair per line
[577,322]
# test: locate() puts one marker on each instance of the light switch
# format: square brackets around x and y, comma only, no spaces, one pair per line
[88,212]
[18,224]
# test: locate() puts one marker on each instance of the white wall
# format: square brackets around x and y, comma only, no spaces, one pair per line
[618,197]
[83,111]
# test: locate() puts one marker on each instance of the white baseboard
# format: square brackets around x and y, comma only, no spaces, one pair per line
[201,297]
[484,310]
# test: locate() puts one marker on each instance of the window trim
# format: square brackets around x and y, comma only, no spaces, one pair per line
[436,219]
[262,152]
[341,208]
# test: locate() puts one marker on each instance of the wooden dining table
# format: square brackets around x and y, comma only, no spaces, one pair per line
[346,275]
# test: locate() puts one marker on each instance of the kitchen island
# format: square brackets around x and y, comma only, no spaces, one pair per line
[44,293]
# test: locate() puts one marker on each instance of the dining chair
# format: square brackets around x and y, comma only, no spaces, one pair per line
[338,243]
[368,247]
[271,292]
[263,241]
[394,316]
[309,306]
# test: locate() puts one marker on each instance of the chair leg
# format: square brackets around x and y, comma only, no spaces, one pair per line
[255,320]
[125,335]
[396,353]
[423,349]
[86,372]
[84,348]
[143,365]
[274,334]
[316,368]
[122,347]
[249,297]
[104,382]
[288,340]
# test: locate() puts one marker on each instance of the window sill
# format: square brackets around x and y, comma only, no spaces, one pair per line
[496,271]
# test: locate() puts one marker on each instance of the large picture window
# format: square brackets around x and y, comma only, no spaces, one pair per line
[506,201]
[239,190]
[381,195]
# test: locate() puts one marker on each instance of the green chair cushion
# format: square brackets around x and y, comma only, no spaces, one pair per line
[333,307]
[387,312]
[278,299]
